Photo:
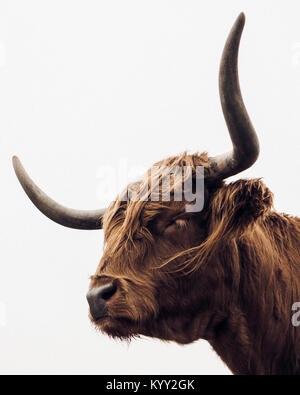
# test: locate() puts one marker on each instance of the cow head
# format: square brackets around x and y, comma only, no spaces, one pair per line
[161,262]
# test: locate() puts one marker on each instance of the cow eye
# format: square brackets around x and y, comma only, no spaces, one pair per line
[176,224]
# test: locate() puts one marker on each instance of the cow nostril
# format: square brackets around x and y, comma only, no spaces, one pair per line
[108,291]
[98,299]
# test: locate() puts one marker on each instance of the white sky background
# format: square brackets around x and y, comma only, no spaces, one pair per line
[87,84]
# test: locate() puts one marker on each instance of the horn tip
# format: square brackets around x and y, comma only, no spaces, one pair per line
[241,18]
[16,161]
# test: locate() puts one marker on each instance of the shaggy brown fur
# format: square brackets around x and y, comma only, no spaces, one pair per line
[228,274]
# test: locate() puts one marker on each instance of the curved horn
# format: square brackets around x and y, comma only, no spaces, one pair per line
[76,219]
[243,136]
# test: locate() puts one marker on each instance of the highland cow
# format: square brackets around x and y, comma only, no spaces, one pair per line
[228,273]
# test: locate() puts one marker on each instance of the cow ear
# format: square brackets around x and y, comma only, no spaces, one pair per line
[241,203]
[252,199]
